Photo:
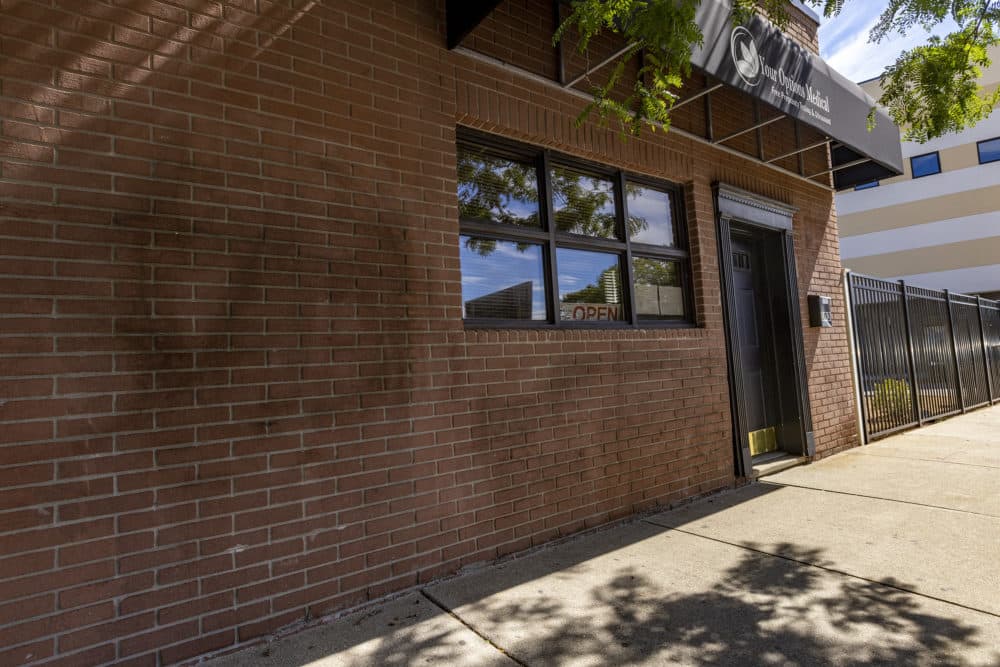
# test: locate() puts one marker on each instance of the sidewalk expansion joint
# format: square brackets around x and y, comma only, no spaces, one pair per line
[917,458]
[828,569]
[440,605]
[889,500]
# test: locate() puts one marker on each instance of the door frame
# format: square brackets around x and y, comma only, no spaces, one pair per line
[736,206]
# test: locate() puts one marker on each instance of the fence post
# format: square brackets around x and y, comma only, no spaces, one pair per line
[954,351]
[918,412]
[856,360]
[986,350]
[855,352]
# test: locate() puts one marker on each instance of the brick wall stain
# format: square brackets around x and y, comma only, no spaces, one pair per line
[237,391]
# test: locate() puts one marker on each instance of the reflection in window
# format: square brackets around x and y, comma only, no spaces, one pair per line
[590,286]
[989,150]
[547,246]
[502,280]
[649,216]
[866,186]
[583,203]
[925,165]
[497,189]
[659,293]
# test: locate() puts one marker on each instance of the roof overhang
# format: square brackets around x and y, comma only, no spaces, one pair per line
[758,59]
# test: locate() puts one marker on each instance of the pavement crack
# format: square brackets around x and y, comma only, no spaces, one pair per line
[891,500]
[917,458]
[440,605]
[825,568]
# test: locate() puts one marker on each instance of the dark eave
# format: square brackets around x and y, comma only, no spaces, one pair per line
[462,17]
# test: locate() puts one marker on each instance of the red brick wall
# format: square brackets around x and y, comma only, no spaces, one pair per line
[237,392]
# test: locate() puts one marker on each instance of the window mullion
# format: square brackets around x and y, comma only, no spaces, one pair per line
[658,252]
[494,230]
[589,243]
[592,247]
[548,212]
[621,210]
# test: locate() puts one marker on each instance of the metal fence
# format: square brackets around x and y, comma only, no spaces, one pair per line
[921,354]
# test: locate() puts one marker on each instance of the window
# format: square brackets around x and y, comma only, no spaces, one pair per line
[866,186]
[989,150]
[548,240]
[925,165]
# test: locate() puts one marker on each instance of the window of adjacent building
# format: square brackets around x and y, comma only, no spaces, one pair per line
[989,150]
[925,165]
[866,186]
[550,240]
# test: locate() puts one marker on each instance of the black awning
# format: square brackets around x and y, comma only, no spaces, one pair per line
[761,61]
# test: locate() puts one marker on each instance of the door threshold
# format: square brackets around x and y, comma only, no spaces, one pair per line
[774,462]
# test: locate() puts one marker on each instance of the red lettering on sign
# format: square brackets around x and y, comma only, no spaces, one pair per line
[594,312]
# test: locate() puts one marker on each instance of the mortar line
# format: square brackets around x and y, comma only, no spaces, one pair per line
[440,605]
[889,500]
[828,569]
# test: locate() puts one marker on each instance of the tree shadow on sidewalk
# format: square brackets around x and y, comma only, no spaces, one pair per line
[765,610]
[643,594]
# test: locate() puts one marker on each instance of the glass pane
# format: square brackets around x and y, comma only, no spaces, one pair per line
[583,204]
[590,286]
[925,165]
[866,186]
[649,216]
[502,279]
[989,151]
[659,293]
[497,189]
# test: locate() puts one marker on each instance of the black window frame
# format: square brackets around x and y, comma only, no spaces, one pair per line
[937,157]
[551,239]
[979,150]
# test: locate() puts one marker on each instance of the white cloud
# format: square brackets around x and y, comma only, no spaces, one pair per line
[845,46]
[509,249]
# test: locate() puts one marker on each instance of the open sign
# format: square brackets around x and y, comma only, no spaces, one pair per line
[590,312]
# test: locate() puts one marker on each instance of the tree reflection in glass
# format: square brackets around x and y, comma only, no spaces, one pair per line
[497,189]
[504,190]
[583,204]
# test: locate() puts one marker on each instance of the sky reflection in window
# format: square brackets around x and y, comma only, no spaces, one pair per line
[502,279]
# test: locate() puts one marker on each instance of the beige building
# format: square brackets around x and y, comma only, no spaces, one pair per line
[937,225]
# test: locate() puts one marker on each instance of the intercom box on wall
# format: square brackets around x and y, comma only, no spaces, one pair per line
[820,311]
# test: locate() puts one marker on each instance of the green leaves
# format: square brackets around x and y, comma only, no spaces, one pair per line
[929,91]
[934,89]
[663,31]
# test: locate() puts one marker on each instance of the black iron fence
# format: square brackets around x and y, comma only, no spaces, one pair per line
[921,354]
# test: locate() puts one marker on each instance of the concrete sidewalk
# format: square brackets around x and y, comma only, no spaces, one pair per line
[887,554]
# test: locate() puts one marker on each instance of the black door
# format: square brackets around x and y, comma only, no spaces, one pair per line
[755,337]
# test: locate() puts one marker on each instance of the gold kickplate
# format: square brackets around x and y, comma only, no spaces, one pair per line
[763,441]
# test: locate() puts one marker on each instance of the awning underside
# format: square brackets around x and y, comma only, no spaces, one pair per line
[755,91]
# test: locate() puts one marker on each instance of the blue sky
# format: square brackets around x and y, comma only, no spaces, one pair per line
[844,40]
